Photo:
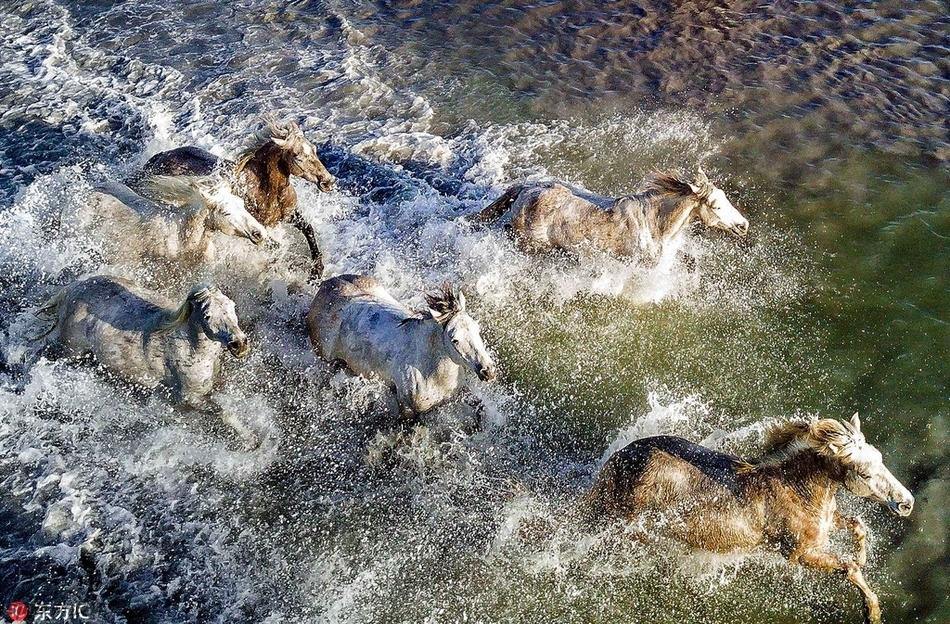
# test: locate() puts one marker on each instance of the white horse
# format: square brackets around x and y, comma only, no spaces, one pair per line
[549,216]
[354,320]
[139,336]
[178,227]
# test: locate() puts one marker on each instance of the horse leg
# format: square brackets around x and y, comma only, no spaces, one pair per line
[689,261]
[316,269]
[828,562]
[478,409]
[859,531]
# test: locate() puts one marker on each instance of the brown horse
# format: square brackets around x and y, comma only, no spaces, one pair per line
[261,176]
[784,499]
[554,216]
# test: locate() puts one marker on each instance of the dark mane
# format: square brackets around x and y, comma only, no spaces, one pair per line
[443,301]
[668,183]
[417,318]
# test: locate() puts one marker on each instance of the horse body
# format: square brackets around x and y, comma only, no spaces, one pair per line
[785,500]
[550,216]
[177,226]
[355,321]
[138,336]
[261,176]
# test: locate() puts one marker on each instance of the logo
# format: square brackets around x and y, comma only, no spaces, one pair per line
[17,611]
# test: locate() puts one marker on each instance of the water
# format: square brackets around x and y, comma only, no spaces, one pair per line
[824,122]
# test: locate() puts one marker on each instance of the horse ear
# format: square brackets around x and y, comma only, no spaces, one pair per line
[856,422]
[700,184]
[279,142]
[461,301]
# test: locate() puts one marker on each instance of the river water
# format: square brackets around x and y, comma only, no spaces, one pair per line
[825,122]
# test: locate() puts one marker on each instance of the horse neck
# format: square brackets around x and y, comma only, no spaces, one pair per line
[673,212]
[188,333]
[268,184]
[431,352]
[194,227]
[813,479]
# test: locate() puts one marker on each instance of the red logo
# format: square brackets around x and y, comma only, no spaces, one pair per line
[17,611]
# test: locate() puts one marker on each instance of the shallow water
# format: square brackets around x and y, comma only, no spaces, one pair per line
[824,122]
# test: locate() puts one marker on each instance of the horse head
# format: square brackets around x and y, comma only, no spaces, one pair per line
[214,313]
[714,208]
[865,473]
[300,155]
[228,215]
[460,332]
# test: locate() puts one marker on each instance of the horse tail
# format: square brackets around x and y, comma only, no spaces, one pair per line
[494,210]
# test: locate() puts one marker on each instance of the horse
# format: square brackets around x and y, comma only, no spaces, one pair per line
[551,215]
[355,323]
[784,499]
[137,227]
[260,176]
[140,337]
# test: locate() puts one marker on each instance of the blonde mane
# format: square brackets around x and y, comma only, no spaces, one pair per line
[270,129]
[826,437]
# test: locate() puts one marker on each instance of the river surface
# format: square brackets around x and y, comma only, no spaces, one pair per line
[825,122]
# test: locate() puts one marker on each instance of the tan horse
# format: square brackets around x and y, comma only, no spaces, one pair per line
[261,176]
[785,499]
[554,216]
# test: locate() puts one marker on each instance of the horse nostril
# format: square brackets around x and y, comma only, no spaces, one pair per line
[327,185]
[905,507]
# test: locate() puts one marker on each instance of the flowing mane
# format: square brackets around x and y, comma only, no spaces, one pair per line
[270,129]
[828,437]
[674,184]
[443,303]
[444,300]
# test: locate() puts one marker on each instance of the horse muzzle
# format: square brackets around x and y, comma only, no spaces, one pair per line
[901,508]
[326,185]
[740,229]
[239,348]
[487,373]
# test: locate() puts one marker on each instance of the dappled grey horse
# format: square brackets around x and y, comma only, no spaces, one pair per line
[549,216]
[177,226]
[139,336]
[354,321]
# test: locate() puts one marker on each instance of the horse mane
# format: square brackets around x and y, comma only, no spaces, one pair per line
[675,184]
[826,437]
[198,296]
[444,300]
[271,128]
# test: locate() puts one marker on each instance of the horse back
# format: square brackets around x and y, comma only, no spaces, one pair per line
[660,471]
[188,161]
[555,215]
[350,315]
